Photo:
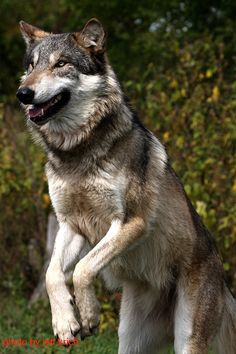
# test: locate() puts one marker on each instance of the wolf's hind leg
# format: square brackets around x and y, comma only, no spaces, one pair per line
[142,328]
[197,313]
[66,253]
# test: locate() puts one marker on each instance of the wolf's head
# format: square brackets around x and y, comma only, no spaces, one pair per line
[66,76]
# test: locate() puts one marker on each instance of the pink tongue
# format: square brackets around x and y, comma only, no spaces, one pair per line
[39,110]
[34,112]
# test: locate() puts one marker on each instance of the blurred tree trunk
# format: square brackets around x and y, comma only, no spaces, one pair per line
[52,228]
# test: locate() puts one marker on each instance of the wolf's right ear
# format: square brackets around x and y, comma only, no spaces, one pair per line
[31,33]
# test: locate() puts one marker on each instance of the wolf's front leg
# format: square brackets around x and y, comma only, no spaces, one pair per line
[118,238]
[66,253]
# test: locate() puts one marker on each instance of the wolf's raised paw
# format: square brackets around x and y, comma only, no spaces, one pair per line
[89,327]
[89,310]
[65,326]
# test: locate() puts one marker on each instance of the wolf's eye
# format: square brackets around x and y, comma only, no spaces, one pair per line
[60,64]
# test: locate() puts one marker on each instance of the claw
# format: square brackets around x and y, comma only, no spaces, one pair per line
[74,333]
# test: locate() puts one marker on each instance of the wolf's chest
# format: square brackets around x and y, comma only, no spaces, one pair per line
[88,206]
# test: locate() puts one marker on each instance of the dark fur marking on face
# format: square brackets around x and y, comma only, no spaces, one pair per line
[86,62]
[28,57]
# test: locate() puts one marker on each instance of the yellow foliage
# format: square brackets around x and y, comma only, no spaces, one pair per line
[201,208]
[180,142]
[209,73]
[215,93]
[166,136]
[173,84]
[234,187]
[183,92]
[46,200]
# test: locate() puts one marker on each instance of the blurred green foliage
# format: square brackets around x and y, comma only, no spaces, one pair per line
[35,322]
[22,204]
[176,61]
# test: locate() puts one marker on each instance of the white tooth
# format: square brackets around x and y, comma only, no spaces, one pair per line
[55,100]
[42,112]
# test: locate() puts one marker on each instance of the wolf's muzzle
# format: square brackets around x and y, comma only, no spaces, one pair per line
[25,95]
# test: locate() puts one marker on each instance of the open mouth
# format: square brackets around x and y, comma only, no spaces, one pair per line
[42,112]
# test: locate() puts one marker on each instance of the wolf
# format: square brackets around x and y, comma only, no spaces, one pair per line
[121,209]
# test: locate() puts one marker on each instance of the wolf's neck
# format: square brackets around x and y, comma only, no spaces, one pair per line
[90,154]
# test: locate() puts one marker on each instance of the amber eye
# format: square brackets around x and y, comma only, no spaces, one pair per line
[60,64]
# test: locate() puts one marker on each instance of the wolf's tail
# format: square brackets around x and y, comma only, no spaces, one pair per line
[226,339]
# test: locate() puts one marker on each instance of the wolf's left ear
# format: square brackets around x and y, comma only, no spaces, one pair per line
[31,33]
[93,35]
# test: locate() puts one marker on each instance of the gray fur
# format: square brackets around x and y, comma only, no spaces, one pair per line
[122,211]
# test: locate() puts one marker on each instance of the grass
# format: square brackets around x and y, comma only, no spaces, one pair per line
[18,322]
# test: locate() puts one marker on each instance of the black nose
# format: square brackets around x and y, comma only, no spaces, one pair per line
[25,95]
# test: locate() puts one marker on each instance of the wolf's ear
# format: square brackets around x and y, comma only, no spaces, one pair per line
[93,35]
[31,33]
